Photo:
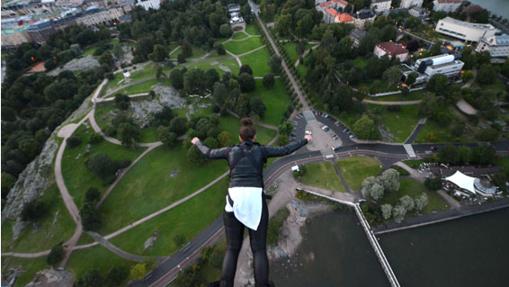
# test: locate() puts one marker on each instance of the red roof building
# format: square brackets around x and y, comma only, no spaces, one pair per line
[344,18]
[391,50]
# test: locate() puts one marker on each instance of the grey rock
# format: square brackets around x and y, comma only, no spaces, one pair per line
[30,184]
[52,278]
[80,64]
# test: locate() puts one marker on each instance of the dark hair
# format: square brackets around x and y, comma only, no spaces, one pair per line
[247,129]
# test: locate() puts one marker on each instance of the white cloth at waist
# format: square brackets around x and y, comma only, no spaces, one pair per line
[247,205]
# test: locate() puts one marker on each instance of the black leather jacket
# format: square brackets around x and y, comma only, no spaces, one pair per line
[246,160]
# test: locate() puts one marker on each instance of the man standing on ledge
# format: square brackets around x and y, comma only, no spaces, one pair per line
[245,202]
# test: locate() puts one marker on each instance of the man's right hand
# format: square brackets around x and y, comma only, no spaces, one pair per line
[309,138]
[195,140]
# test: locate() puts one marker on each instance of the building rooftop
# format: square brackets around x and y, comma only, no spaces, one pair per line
[331,11]
[392,48]
[468,24]
[340,2]
[502,40]
[364,14]
[344,18]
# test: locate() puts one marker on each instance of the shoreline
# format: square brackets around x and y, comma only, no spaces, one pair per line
[435,218]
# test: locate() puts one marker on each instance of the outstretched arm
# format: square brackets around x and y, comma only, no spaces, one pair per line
[271,151]
[217,153]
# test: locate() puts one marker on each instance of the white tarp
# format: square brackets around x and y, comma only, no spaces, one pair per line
[462,180]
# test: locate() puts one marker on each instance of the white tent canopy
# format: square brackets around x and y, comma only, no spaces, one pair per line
[462,180]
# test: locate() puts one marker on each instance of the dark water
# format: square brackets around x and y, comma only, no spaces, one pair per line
[335,252]
[498,7]
[472,251]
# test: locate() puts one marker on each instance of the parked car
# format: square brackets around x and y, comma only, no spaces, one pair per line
[325,128]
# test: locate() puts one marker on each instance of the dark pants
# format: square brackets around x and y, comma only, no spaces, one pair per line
[234,236]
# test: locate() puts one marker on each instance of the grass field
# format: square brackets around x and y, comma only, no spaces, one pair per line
[28,266]
[160,178]
[322,175]
[113,83]
[399,124]
[232,125]
[220,63]
[355,169]
[414,188]
[434,133]
[302,70]
[143,87]
[252,29]
[238,47]
[275,99]
[77,176]
[55,227]
[418,95]
[186,220]
[291,50]
[258,61]
[239,35]
[96,257]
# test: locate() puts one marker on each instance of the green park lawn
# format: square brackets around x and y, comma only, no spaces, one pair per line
[434,133]
[186,220]
[252,29]
[238,47]
[97,257]
[349,118]
[220,63]
[232,125]
[276,100]
[291,50]
[413,188]
[144,87]
[28,266]
[113,83]
[77,176]
[149,135]
[302,70]
[148,71]
[399,124]
[356,168]
[55,227]
[258,61]
[417,95]
[322,175]
[151,185]
[239,35]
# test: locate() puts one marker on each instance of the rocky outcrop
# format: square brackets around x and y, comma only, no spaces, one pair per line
[52,278]
[31,182]
[143,110]
[80,64]
[290,236]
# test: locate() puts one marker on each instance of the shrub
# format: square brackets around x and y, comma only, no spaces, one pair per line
[55,255]
[95,139]
[34,211]
[117,275]
[73,141]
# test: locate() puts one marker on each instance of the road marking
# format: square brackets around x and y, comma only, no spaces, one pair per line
[409,150]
